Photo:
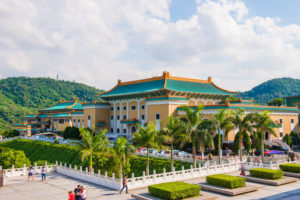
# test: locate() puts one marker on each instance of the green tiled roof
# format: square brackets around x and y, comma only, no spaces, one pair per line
[195,87]
[61,115]
[95,103]
[167,98]
[76,113]
[65,105]
[168,84]
[42,115]
[18,125]
[142,87]
[130,122]
[29,116]
[100,124]
[20,129]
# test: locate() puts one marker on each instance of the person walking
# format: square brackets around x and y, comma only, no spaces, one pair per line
[44,173]
[124,182]
[77,192]
[71,195]
[30,173]
[83,193]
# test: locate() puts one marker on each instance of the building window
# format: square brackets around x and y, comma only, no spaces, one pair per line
[89,117]
[281,134]
[118,117]
[280,121]
[143,117]
[118,130]
[157,116]
[74,121]
[111,130]
[61,121]
[124,130]
[111,117]
[143,107]
[124,117]
[133,107]
[292,121]
[111,108]
[118,108]
[124,108]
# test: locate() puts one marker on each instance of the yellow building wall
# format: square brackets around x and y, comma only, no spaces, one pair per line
[162,109]
[133,114]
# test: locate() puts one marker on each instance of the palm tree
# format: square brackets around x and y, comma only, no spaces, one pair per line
[147,137]
[243,123]
[263,124]
[221,121]
[205,134]
[191,121]
[92,143]
[174,134]
[123,150]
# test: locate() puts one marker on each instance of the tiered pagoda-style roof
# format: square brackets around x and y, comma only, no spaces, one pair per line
[65,105]
[166,85]
[247,105]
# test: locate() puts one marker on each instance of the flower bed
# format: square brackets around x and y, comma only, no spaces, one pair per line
[266,173]
[226,181]
[290,167]
[174,190]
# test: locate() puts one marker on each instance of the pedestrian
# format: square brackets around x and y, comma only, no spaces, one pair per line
[44,173]
[243,171]
[71,195]
[30,173]
[77,192]
[83,193]
[124,182]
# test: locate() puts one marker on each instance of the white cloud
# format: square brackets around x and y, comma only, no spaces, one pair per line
[97,42]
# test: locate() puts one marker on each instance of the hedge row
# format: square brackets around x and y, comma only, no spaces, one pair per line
[174,190]
[226,181]
[266,173]
[290,167]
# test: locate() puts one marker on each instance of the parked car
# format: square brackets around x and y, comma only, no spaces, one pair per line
[280,148]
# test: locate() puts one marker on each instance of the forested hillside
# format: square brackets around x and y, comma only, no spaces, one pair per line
[21,95]
[275,88]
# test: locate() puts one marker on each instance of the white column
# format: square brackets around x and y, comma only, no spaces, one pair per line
[127,109]
[121,118]
[146,117]
[138,109]
[114,117]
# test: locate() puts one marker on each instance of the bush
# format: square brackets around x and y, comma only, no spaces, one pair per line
[266,173]
[295,138]
[226,181]
[174,190]
[290,167]
[71,132]
[43,162]
[9,157]
[10,133]
[287,139]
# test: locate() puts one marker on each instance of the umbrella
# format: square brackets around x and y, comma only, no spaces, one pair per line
[273,152]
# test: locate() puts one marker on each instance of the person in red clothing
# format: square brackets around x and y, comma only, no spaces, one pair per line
[71,195]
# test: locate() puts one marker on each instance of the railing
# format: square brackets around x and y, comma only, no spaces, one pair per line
[250,164]
[42,139]
[24,170]
[183,174]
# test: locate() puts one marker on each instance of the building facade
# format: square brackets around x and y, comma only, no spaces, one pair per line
[152,100]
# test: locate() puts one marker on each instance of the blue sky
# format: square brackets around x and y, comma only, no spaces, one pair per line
[240,43]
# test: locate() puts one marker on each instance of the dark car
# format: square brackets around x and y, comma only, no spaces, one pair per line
[280,148]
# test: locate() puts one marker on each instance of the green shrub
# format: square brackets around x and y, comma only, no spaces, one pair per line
[10,133]
[9,157]
[174,190]
[226,181]
[290,167]
[266,173]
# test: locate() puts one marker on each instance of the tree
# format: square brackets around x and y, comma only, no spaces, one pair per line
[147,137]
[9,157]
[10,133]
[221,121]
[287,139]
[71,132]
[263,124]
[123,150]
[205,135]
[255,141]
[174,134]
[190,123]
[243,123]
[91,144]
[295,138]
[246,142]
[276,102]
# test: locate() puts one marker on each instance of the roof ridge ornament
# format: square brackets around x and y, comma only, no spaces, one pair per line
[209,79]
[166,74]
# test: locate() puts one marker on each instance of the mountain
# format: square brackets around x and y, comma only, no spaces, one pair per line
[274,88]
[20,96]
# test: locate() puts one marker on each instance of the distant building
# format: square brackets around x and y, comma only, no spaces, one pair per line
[151,100]
[293,101]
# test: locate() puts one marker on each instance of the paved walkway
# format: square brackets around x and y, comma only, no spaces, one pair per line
[56,187]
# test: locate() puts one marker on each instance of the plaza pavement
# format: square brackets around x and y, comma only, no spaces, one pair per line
[57,187]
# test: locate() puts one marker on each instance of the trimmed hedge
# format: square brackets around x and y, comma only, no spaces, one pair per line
[174,190]
[226,181]
[266,173]
[290,167]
